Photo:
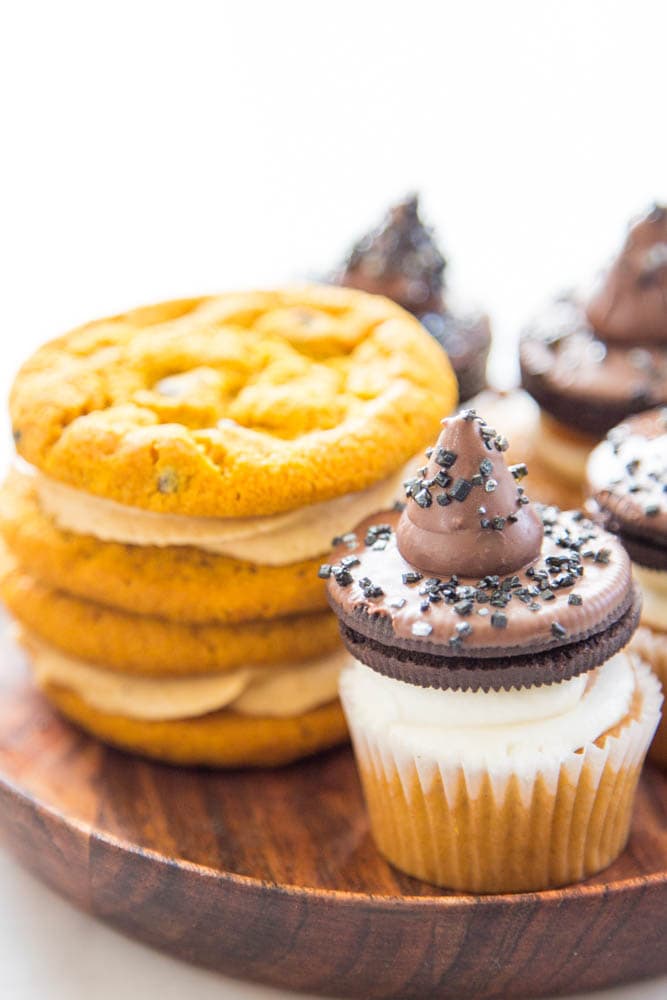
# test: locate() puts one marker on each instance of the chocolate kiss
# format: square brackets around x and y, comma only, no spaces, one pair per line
[630,304]
[399,259]
[449,539]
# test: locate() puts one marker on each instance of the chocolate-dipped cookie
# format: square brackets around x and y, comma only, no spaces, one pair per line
[627,478]
[592,362]
[400,259]
[489,674]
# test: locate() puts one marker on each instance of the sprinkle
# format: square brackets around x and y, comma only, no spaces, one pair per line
[443,500]
[442,479]
[400,602]
[477,479]
[651,509]
[498,523]
[490,485]
[324,572]
[463,607]
[501,443]
[464,629]
[575,599]
[499,619]
[481,510]
[445,458]
[548,595]
[519,471]
[342,576]
[558,631]
[411,577]
[469,415]
[421,628]
[486,467]
[349,561]
[423,498]
[602,556]
[460,490]
[483,612]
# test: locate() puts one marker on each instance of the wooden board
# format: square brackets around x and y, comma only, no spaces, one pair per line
[272,876]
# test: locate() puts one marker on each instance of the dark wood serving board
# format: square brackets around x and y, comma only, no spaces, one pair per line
[272,876]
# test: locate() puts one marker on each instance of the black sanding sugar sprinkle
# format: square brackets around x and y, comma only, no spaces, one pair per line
[428,452]
[602,556]
[324,572]
[499,619]
[490,485]
[485,523]
[575,599]
[411,577]
[498,523]
[454,640]
[445,458]
[486,467]
[501,443]
[349,561]
[443,500]
[460,490]
[477,479]
[463,607]
[651,509]
[421,628]
[442,479]
[425,606]
[548,595]
[519,470]
[512,518]
[423,498]
[399,603]
[342,576]
[464,628]
[558,630]
[469,415]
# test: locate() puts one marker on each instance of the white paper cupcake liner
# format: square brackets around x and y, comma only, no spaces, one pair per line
[512,825]
[651,647]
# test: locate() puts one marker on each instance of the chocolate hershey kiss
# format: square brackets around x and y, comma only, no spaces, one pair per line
[467,515]
[630,304]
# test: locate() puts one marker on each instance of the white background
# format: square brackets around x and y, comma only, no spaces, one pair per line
[158,149]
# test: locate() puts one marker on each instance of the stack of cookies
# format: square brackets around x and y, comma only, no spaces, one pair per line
[182,471]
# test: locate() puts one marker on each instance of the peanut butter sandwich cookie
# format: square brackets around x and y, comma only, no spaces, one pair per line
[182,469]
[627,477]
[499,724]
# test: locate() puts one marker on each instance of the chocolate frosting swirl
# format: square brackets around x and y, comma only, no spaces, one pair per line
[630,304]
[399,259]
[466,514]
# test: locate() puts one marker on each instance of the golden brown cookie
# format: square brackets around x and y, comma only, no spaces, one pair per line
[146,645]
[221,739]
[242,404]
[178,583]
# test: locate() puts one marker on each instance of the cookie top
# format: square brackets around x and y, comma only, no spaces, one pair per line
[484,599]
[237,405]
[627,478]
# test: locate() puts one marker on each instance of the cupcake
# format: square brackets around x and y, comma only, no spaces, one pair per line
[181,471]
[401,260]
[499,726]
[592,362]
[627,477]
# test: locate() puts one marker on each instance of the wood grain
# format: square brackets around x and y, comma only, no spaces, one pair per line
[272,876]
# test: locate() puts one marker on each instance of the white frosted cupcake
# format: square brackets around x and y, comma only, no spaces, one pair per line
[627,477]
[498,722]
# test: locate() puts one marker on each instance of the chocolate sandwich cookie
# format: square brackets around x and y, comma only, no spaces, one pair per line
[590,363]
[401,260]
[498,724]
[627,477]
[474,587]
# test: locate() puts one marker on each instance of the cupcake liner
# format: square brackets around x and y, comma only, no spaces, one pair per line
[507,825]
[651,647]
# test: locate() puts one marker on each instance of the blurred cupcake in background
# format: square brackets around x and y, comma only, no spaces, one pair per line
[400,259]
[627,477]
[591,362]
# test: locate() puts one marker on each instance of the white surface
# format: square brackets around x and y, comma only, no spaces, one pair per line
[155,149]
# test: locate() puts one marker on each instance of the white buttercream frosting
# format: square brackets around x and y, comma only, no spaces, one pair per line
[653,585]
[484,726]
[273,692]
[275,540]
